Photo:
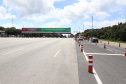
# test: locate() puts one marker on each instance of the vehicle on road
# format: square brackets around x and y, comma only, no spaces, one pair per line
[85,38]
[94,39]
[81,36]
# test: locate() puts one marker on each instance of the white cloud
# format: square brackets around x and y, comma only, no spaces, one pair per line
[41,10]
[109,23]
[4,14]
[26,24]
[30,7]
[57,24]
[10,25]
[102,15]
[121,2]
[104,23]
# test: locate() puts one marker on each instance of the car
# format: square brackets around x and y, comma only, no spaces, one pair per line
[80,38]
[94,39]
[85,38]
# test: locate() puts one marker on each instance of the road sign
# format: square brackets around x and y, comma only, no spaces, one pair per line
[46,30]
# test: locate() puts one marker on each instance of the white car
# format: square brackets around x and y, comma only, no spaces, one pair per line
[80,38]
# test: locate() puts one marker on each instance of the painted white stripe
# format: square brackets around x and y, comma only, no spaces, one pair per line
[95,73]
[90,60]
[103,54]
[56,53]
[12,51]
[90,64]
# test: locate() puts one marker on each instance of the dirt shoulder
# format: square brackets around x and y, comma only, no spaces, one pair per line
[122,45]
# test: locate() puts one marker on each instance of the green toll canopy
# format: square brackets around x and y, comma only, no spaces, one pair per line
[47,30]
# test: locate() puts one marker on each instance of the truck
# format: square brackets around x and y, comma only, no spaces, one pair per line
[81,36]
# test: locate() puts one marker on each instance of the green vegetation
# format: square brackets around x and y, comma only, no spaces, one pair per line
[114,33]
[12,31]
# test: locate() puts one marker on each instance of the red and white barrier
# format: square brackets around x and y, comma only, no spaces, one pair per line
[79,44]
[81,48]
[91,41]
[96,43]
[125,52]
[101,41]
[108,42]
[90,63]
[119,44]
[104,46]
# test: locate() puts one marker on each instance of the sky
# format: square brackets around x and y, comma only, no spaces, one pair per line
[76,14]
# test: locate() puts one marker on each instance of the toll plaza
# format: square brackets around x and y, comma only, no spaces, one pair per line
[46,30]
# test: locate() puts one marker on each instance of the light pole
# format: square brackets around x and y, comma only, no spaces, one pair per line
[83,27]
[92,26]
[12,21]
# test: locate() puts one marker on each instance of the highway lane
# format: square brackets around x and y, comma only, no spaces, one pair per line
[58,61]
[110,66]
[38,61]
[114,49]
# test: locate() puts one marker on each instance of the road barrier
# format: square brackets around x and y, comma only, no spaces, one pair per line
[90,63]
[119,44]
[104,46]
[81,48]
[108,42]
[125,52]
[96,43]
[79,44]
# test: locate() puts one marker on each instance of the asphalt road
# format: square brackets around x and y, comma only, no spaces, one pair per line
[59,61]
[109,63]
[38,61]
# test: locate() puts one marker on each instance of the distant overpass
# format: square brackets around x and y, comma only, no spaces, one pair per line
[47,30]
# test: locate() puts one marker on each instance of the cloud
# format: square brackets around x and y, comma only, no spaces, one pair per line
[4,14]
[30,7]
[10,25]
[26,24]
[57,24]
[41,10]
[102,15]
[104,23]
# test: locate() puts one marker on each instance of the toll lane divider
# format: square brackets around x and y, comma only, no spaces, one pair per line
[80,45]
[125,52]
[93,71]
[90,63]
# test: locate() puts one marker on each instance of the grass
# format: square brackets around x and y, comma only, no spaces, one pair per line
[113,41]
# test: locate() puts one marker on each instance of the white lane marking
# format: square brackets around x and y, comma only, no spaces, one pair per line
[103,54]
[13,51]
[95,73]
[56,53]
[107,49]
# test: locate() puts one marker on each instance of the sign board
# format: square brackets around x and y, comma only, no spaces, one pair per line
[47,30]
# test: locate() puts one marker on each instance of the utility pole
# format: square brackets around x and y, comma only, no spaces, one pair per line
[12,21]
[92,26]
[92,22]
[83,27]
